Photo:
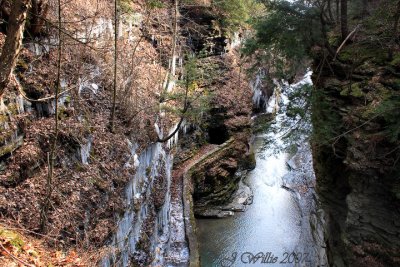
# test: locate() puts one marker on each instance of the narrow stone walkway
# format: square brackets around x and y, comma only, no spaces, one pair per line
[178,247]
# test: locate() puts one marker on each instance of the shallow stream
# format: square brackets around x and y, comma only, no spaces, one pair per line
[283,226]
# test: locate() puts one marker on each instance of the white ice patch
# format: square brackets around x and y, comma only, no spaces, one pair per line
[158,131]
[85,150]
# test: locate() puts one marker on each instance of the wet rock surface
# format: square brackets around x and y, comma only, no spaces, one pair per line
[215,179]
[241,198]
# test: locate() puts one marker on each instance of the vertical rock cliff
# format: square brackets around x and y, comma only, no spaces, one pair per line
[356,153]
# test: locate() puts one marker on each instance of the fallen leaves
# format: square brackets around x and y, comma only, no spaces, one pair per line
[18,250]
[14,251]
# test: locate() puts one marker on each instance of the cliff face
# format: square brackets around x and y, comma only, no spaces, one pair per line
[356,154]
[229,118]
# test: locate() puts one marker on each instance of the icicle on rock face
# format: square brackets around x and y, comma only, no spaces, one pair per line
[85,150]
[162,225]
[259,98]
[133,158]
[173,141]
[236,40]
[148,197]
[20,104]
[151,164]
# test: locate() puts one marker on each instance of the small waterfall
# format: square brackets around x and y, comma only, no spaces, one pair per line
[120,29]
[170,246]
[180,62]
[102,29]
[273,102]
[87,84]
[3,108]
[170,84]
[48,108]
[153,167]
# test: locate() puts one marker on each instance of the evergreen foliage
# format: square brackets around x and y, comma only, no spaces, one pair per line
[288,29]
[284,36]
[235,14]
[191,93]
[389,111]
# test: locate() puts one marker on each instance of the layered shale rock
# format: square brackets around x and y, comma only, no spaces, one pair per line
[356,154]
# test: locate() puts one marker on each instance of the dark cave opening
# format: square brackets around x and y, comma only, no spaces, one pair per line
[218,134]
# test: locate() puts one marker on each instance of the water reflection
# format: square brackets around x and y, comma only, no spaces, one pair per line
[270,224]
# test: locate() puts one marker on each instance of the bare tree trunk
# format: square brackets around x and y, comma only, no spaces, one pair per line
[115,65]
[337,11]
[324,34]
[175,36]
[364,8]
[171,71]
[396,20]
[186,106]
[13,43]
[331,18]
[395,37]
[39,11]
[343,19]
[52,155]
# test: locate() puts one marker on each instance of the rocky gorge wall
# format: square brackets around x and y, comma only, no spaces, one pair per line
[108,186]
[356,158]
[229,119]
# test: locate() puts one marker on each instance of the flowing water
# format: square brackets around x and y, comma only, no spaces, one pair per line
[283,226]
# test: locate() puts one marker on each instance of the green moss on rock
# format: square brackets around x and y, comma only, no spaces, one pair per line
[249,161]
[356,90]
[396,60]
[12,237]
